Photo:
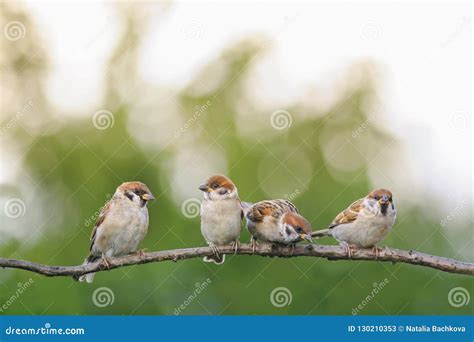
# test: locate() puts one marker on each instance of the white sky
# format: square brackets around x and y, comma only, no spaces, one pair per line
[424,50]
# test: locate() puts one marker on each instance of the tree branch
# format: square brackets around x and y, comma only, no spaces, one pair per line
[321,251]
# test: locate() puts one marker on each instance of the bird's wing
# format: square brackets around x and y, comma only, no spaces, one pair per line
[349,214]
[286,206]
[274,208]
[257,211]
[102,215]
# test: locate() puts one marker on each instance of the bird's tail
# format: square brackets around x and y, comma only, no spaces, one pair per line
[216,259]
[321,233]
[89,277]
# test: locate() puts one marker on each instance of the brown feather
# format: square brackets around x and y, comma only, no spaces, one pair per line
[349,214]
[140,187]
[296,220]
[103,213]
[222,181]
[274,208]
[378,193]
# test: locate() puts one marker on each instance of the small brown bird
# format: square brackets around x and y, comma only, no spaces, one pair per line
[121,225]
[221,215]
[277,221]
[364,223]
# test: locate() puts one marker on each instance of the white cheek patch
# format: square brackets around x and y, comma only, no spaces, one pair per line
[223,192]
[289,232]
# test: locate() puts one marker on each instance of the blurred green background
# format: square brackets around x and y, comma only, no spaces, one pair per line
[320,160]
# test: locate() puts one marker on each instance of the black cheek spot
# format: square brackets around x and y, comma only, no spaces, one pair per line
[288,231]
[222,192]
[129,195]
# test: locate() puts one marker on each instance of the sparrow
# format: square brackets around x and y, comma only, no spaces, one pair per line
[121,225]
[364,223]
[277,221]
[221,215]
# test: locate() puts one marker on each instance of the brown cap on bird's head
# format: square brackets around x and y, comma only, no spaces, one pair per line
[299,224]
[216,182]
[382,195]
[138,188]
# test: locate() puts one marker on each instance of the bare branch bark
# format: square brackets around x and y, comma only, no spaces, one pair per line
[321,251]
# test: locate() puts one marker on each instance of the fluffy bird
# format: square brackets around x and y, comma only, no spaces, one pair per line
[221,215]
[277,221]
[121,225]
[364,223]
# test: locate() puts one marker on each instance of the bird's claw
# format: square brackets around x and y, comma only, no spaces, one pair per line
[376,250]
[141,253]
[236,245]
[292,248]
[215,250]
[348,249]
[253,243]
[105,261]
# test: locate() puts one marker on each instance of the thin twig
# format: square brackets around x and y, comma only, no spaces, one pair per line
[328,252]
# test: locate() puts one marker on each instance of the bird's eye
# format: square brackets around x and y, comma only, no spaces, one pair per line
[299,230]
[215,186]
[377,197]
[136,192]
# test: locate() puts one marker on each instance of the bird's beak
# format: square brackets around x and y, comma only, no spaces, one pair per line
[306,237]
[204,188]
[148,197]
[384,201]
